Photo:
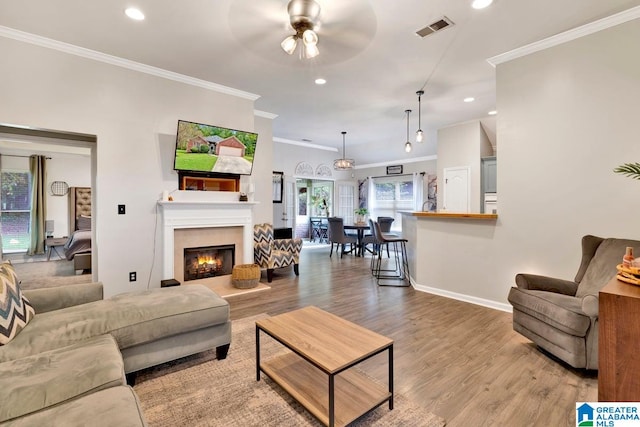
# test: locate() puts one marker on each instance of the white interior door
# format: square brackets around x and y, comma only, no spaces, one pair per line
[345,200]
[456,189]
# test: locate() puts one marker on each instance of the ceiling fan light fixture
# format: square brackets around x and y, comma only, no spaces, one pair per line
[303,15]
[289,44]
[311,51]
[343,164]
[309,37]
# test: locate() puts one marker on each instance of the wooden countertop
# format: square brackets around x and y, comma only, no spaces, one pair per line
[453,215]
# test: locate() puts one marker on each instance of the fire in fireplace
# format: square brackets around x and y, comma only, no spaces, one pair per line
[208,261]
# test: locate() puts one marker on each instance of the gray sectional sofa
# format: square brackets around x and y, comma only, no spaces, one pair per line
[68,365]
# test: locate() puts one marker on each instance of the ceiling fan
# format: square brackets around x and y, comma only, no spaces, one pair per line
[345,29]
[303,16]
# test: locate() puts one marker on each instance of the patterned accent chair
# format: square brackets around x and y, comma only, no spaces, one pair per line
[273,253]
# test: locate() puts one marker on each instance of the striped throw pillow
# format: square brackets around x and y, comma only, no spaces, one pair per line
[15,309]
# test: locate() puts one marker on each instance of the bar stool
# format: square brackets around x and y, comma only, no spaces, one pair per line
[401,269]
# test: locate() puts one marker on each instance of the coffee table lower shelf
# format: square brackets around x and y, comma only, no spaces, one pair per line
[355,394]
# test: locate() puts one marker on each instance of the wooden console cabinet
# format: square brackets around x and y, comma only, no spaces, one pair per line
[619,343]
[209,184]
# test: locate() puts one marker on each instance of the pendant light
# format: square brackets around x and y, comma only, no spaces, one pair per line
[407,145]
[419,133]
[343,164]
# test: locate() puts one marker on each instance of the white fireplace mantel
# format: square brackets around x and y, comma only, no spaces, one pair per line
[192,211]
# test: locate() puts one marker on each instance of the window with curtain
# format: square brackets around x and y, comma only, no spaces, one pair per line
[389,196]
[15,204]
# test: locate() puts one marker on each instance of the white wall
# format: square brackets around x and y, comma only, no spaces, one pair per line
[461,145]
[428,166]
[566,117]
[261,175]
[287,156]
[134,116]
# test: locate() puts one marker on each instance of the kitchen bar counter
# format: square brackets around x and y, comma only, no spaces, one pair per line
[453,215]
[451,254]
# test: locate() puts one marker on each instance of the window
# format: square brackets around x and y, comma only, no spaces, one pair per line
[16,211]
[390,196]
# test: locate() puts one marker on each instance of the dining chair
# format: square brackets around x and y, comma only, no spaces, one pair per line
[319,229]
[401,268]
[338,237]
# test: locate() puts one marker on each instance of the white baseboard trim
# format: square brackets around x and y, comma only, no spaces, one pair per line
[462,297]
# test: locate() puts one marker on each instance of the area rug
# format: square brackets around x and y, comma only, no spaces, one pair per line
[202,391]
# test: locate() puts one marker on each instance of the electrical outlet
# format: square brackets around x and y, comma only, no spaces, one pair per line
[132,276]
[121,210]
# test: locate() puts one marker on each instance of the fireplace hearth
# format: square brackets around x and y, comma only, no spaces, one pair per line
[208,261]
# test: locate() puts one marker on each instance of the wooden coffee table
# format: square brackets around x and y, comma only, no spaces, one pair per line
[324,345]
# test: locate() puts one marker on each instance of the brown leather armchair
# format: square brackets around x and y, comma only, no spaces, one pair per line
[561,316]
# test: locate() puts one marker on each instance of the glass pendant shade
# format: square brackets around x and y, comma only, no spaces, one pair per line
[309,37]
[419,133]
[311,51]
[407,145]
[289,44]
[343,163]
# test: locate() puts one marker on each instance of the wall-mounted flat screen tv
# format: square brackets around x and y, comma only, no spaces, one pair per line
[214,149]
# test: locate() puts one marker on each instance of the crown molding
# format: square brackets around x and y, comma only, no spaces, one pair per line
[304,144]
[94,55]
[395,162]
[573,34]
[264,114]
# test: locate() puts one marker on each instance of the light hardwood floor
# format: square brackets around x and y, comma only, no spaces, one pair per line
[458,360]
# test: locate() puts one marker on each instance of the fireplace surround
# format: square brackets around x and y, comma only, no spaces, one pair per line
[207,216]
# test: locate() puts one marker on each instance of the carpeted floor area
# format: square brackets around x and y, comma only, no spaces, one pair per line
[203,391]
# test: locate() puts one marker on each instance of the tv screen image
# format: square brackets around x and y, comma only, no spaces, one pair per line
[214,149]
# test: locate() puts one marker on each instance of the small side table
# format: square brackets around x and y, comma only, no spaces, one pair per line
[53,243]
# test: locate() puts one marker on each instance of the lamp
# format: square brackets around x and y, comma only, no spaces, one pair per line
[407,145]
[302,15]
[419,133]
[343,164]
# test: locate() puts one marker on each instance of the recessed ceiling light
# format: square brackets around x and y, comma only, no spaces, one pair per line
[469,99]
[492,112]
[320,81]
[134,13]
[481,4]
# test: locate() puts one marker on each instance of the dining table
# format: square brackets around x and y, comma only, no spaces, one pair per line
[360,229]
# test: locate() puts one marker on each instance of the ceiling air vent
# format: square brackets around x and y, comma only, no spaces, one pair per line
[439,25]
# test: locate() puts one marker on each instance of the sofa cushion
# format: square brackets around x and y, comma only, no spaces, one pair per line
[132,318]
[115,406]
[46,379]
[563,312]
[15,309]
[603,265]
